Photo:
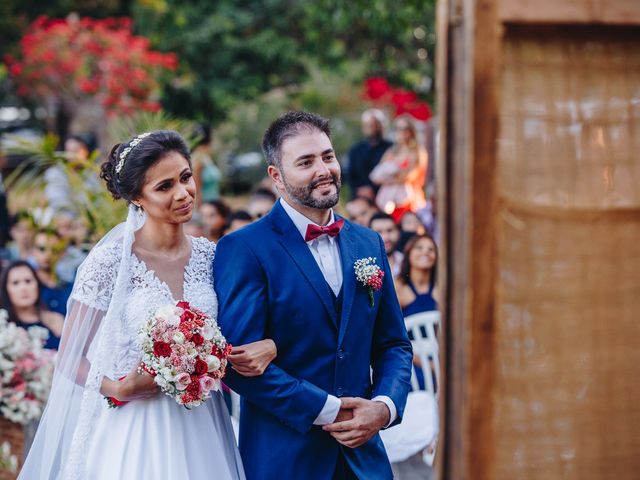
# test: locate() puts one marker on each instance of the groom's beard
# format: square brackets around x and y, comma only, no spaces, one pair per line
[304,195]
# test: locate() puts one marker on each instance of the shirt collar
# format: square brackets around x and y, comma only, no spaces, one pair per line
[300,221]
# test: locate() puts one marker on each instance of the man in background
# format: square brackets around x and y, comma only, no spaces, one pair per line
[365,155]
[389,230]
[48,248]
[360,210]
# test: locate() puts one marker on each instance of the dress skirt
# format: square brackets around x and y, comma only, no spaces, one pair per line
[158,439]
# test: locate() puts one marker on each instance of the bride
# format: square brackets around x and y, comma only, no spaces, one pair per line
[140,265]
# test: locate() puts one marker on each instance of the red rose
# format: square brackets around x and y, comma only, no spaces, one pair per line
[184,305]
[201,367]
[161,349]
[187,316]
[197,339]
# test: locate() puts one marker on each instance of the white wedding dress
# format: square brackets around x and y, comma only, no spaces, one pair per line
[156,438]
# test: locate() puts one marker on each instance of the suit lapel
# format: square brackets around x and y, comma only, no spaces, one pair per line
[348,256]
[299,252]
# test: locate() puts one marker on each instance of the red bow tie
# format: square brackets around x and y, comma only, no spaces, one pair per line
[314,231]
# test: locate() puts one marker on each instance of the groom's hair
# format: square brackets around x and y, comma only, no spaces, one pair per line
[289,125]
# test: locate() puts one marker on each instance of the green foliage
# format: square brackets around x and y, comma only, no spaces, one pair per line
[329,94]
[231,52]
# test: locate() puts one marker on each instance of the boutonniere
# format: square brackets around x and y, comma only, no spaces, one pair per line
[369,275]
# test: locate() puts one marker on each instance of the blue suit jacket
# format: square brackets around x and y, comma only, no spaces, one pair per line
[269,286]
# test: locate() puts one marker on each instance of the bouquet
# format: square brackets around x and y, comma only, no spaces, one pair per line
[185,351]
[26,371]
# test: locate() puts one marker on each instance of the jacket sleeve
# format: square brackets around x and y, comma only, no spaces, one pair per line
[242,289]
[392,353]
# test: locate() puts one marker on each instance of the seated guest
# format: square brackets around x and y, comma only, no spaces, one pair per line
[48,247]
[21,233]
[261,203]
[384,225]
[237,220]
[416,283]
[360,210]
[20,293]
[417,280]
[214,215]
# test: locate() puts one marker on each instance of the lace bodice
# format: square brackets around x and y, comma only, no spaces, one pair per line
[145,293]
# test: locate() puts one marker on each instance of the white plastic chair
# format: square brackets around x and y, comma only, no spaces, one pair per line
[422,327]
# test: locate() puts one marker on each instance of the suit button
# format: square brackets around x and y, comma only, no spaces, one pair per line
[341,354]
[339,392]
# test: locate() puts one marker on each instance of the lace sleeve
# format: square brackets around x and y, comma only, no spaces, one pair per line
[96,277]
[204,252]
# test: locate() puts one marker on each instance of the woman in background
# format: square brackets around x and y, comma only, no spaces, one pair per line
[205,172]
[214,215]
[401,173]
[417,280]
[416,288]
[20,297]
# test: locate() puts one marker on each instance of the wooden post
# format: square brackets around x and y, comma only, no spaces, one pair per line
[539,141]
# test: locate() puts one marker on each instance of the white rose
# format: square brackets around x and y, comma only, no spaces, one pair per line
[213,362]
[208,332]
[169,314]
[179,338]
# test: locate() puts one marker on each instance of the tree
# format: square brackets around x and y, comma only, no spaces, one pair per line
[231,53]
[80,61]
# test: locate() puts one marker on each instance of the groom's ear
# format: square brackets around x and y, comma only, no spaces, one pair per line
[276,175]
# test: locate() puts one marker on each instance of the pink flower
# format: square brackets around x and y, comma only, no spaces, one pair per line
[182,381]
[207,384]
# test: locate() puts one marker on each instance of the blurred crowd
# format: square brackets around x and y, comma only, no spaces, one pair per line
[386,176]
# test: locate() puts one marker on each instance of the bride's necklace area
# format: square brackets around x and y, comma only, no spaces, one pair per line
[184,251]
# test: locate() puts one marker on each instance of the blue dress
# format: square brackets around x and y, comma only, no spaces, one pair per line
[424,302]
[52,343]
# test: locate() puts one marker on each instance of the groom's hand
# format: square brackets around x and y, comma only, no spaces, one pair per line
[368,418]
[344,413]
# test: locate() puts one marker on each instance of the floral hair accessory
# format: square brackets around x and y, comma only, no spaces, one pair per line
[369,275]
[123,155]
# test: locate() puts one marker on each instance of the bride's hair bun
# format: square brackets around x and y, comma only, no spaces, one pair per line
[141,156]
[108,172]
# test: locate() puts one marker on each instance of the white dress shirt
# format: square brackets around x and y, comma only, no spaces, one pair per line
[326,252]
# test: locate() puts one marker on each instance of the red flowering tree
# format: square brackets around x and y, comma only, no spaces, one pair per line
[380,92]
[79,60]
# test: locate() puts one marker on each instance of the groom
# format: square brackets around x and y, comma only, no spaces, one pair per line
[344,360]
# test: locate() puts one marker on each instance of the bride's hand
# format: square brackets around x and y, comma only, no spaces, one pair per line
[136,386]
[252,359]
